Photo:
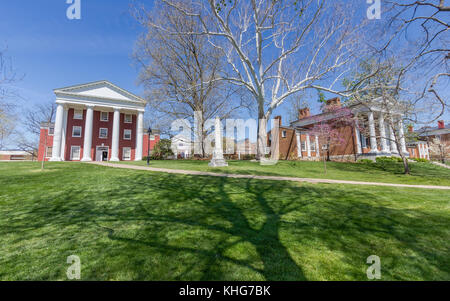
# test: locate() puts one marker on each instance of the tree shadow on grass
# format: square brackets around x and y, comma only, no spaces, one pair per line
[208,228]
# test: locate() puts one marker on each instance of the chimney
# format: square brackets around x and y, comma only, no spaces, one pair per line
[335,102]
[303,113]
[441,124]
[279,120]
[410,129]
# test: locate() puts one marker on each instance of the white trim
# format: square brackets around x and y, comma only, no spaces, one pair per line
[107,116]
[48,130]
[73,130]
[75,114]
[124,131]
[123,154]
[71,153]
[100,133]
[283,134]
[125,118]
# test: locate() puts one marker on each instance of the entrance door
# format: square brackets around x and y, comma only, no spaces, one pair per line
[105,156]
[101,153]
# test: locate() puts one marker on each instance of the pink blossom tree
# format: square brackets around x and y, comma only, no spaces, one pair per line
[328,128]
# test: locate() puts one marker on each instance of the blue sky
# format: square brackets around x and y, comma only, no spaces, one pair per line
[52,51]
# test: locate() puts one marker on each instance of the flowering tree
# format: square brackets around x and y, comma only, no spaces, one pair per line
[330,130]
[439,148]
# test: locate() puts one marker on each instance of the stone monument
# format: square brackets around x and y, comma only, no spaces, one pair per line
[217,158]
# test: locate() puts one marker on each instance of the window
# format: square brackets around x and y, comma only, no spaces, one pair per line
[78,114]
[304,146]
[75,153]
[313,146]
[128,118]
[363,141]
[76,131]
[103,133]
[283,134]
[413,152]
[104,116]
[51,131]
[127,134]
[152,137]
[126,154]
[48,152]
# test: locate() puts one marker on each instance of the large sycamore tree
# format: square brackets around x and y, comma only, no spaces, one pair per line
[275,49]
[180,71]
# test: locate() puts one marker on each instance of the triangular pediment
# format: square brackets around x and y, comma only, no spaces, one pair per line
[101,89]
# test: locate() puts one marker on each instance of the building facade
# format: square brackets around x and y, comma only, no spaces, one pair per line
[96,122]
[297,142]
[16,155]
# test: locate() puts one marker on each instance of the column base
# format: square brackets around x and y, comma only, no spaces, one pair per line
[218,163]
[114,160]
[138,159]
[86,160]
[374,151]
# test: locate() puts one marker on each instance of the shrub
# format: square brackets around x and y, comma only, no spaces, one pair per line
[365,161]
[388,159]
[420,160]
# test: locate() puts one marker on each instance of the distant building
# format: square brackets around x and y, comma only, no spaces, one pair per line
[442,131]
[182,147]
[15,155]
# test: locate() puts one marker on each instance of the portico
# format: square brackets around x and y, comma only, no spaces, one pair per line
[85,116]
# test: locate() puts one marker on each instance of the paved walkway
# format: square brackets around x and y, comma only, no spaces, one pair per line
[274,178]
[441,164]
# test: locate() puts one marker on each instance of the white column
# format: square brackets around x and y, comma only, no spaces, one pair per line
[427,153]
[139,136]
[308,145]
[402,136]
[299,145]
[88,125]
[64,134]
[419,146]
[393,142]
[373,138]
[57,134]
[317,147]
[358,139]
[384,147]
[115,136]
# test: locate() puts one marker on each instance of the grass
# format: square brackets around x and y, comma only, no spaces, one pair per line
[385,172]
[138,225]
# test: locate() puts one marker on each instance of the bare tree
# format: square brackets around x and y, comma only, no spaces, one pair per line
[418,29]
[34,117]
[179,71]
[7,107]
[275,49]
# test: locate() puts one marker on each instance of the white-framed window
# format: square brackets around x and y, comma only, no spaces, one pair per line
[413,152]
[126,134]
[75,152]
[104,116]
[128,118]
[283,134]
[51,131]
[103,133]
[48,151]
[304,146]
[78,114]
[126,153]
[76,131]
[313,146]
[152,137]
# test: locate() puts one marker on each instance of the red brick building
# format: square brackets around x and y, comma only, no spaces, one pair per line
[297,141]
[96,122]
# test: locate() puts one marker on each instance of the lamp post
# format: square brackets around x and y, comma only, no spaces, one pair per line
[149,132]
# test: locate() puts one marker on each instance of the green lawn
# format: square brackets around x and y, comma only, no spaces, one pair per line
[421,173]
[138,225]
